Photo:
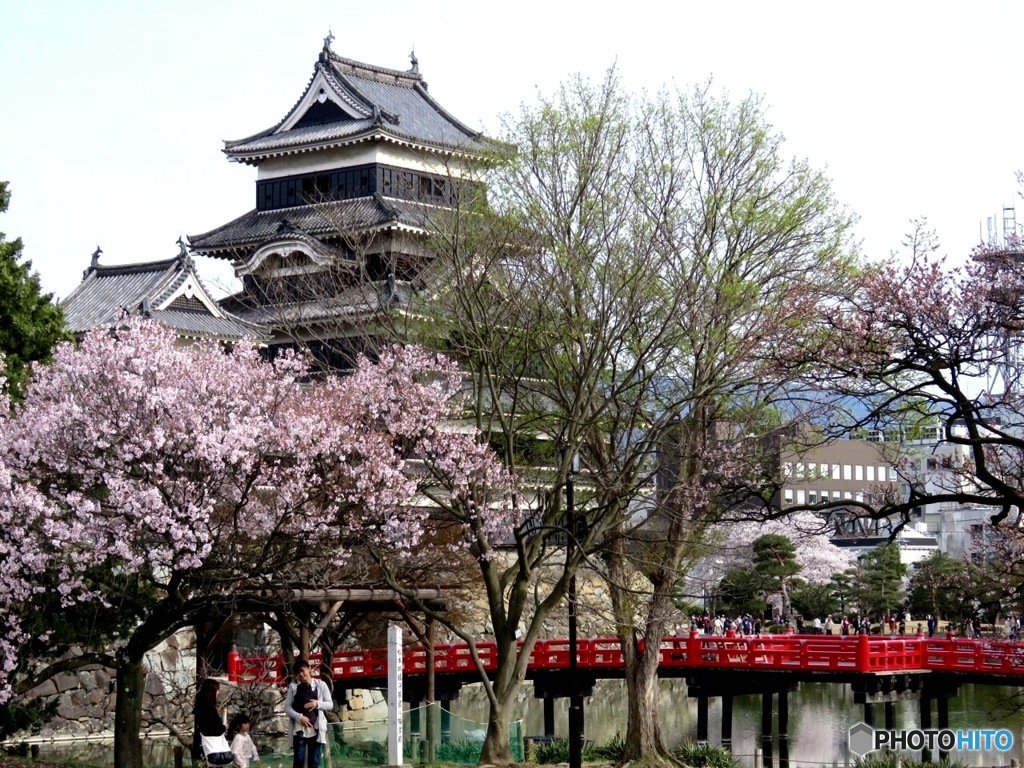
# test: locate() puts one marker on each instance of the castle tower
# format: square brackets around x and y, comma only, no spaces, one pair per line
[347,184]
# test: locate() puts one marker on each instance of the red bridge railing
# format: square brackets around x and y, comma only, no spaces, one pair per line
[807,653]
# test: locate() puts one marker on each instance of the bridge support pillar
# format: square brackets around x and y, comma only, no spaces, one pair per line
[890,715]
[414,718]
[869,713]
[446,720]
[943,717]
[549,716]
[702,719]
[783,718]
[925,705]
[783,753]
[766,715]
[727,721]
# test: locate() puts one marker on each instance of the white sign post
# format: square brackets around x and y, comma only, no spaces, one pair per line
[395,696]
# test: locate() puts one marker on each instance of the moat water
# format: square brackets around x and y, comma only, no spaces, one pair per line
[820,716]
[819,719]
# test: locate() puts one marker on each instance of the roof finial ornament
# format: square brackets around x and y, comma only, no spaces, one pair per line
[183,254]
[96,257]
[415,62]
[325,54]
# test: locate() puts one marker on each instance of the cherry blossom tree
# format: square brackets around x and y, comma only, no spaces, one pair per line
[175,482]
[920,344]
[819,559]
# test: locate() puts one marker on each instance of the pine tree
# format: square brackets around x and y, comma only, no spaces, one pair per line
[30,321]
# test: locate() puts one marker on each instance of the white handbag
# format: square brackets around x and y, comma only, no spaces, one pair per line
[216,750]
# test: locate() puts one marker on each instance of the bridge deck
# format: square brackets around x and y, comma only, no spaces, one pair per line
[602,657]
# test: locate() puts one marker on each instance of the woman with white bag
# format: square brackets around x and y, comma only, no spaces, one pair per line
[208,739]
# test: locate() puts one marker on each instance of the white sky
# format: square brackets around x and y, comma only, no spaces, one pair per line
[114,112]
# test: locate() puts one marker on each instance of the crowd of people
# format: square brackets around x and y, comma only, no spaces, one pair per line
[894,625]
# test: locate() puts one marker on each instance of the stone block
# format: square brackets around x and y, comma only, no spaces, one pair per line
[103,679]
[65,682]
[170,659]
[154,686]
[47,688]
[96,697]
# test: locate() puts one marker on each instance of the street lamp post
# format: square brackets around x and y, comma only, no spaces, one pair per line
[575,700]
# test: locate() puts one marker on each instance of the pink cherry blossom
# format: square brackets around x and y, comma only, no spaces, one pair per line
[186,464]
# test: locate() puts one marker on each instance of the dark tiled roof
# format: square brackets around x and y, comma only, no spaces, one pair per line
[322,220]
[379,103]
[352,304]
[355,302]
[106,292]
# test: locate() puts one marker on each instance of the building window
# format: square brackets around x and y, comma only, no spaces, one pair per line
[812,497]
[787,496]
[847,472]
[800,497]
[858,472]
[835,471]
[881,474]
[871,473]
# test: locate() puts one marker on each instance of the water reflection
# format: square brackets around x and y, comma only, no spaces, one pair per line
[820,714]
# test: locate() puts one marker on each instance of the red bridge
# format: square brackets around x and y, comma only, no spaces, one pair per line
[879,670]
[682,656]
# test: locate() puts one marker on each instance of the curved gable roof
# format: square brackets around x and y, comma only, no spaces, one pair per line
[170,291]
[369,103]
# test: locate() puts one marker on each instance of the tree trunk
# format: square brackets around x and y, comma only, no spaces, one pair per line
[496,749]
[128,712]
[643,723]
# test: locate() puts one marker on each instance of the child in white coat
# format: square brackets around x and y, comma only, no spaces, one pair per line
[241,742]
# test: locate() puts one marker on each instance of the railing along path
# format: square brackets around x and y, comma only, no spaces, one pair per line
[805,653]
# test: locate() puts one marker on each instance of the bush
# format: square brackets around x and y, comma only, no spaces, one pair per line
[701,755]
[891,760]
[611,751]
[556,750]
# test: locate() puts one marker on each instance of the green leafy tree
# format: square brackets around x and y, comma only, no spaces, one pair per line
[739,592]
[947,588]
[841,585]
[775,564]
[810,599]
[30,322]
[639,257]
[879,581]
